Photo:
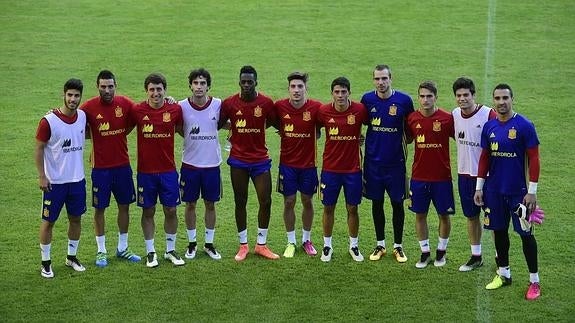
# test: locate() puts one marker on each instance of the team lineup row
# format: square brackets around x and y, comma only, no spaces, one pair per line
[498,142]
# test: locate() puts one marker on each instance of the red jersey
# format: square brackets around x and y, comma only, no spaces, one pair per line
[109,125]
[156,136]
[342,131]
[298,133]
[249,121]
[431,137]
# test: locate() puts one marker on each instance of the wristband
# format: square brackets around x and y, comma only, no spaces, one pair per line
[479,183]
[532,188]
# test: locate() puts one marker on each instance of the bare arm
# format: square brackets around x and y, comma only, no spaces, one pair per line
[43,182]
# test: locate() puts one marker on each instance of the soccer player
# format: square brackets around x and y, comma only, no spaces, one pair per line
[108,125]
[431,128]
[59,158]
[297,170]
[385,154]
[156,121]
[250,114]
[342,120]
[469,118]
[510,151]
[201,159]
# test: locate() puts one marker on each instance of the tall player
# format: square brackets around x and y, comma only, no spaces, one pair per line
[469,118]
[201,159]
[431,128]
[250,114]
[156,121]
[342,120]
[59,158]
[297,170]
[510,152]
[385,154]
[108,125]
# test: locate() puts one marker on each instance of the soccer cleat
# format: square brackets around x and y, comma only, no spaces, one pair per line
[533,292]
[378,252]
[473,263]
[151,260]
[101,259]
[174,258]
[440,258]
[355,254]
[72,261]
[498,281]
[264,251]
[290,250]
[128,255]
[242,252]
[424,260]
[399,255]
[46,269]
[211,251]
[191,250]
[326,254]
[309,249]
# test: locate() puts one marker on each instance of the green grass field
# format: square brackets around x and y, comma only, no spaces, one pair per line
[528,44]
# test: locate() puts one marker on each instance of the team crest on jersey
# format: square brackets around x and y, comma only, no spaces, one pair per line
[351,119]
[436,126]
[512,133]
[420,138]
[393,110]
[288,127]
[99,116]
[306,116]
[166,117]
[258,112]
[333,131]
[119,112]
[494,146]
[376,121]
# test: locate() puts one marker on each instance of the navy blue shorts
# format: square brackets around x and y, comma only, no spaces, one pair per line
[423,193]
[499,210]
[73,195]
[291,180]
[164,185]
[331,184]
[108,181]
[254,169]
[466,186]
[207,181]
[378,179]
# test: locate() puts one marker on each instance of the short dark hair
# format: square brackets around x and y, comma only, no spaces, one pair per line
[155,78]
[74,84]
[248,69]
[503,86]
[105,75]
[341,81]
[429,85]
[464,83]
[200,72]
[297,76]
[381,67]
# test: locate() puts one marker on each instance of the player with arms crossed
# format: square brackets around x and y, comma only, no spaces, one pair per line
[385,154]
[342,120]
[250,113]
[108,126]
[431,128]
[469,118]
[297,170]
[201,159]
[59,158]
[156,121]
[510,152]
